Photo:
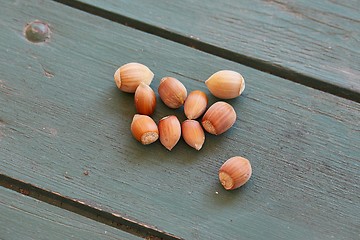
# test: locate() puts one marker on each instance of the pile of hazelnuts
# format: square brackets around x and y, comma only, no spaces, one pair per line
[217,119]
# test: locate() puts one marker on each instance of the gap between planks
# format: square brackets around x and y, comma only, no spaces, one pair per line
[249,61]
[112,219]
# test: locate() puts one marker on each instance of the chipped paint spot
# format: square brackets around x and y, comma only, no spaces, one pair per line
[51,131]
[48,74]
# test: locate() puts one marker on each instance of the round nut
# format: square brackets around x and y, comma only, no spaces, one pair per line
[172,92]
[195,104]
[129,76]
[145,99]
[219,118]
[170,131]
[144,129]
[226,84]
[235,172]
[193,133]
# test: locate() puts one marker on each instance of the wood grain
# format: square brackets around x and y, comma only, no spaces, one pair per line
[68,133]
[313,43]
[23,217]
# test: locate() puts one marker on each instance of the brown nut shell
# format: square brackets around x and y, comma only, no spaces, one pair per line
[144,129]
[219,118]
[145,99]
[235,172]
[129,76]
[195,104]
[226,84]
[193,133]
[169,131]
[172,92]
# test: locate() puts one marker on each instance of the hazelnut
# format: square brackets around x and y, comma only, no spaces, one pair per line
[226,84]
[129,76]
[172,92]
[235,172]
[169,131]
[144,129]
[145,99]
[193,133]
[219,118]
[195,104]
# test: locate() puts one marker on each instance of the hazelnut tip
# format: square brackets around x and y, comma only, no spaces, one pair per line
[198,146]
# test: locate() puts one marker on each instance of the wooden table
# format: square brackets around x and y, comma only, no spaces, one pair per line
[76,171]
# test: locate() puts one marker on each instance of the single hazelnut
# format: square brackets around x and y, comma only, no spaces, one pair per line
[193,133]
[226,84]
[169,131]
[172,92]
[144,129]
[219,118]
[145,99]
[195,104]
[129,76]
[235,172]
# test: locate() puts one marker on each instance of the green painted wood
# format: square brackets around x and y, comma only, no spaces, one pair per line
[25,218]
[314,43]
[62,116]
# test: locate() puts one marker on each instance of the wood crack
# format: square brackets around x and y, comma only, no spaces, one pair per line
[258,64]
[80,207]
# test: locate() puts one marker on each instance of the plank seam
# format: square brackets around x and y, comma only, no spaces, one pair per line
[258,64]
[112,219]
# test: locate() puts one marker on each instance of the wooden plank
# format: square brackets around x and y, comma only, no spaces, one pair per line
[23,217]
[313,43]
[68,132]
